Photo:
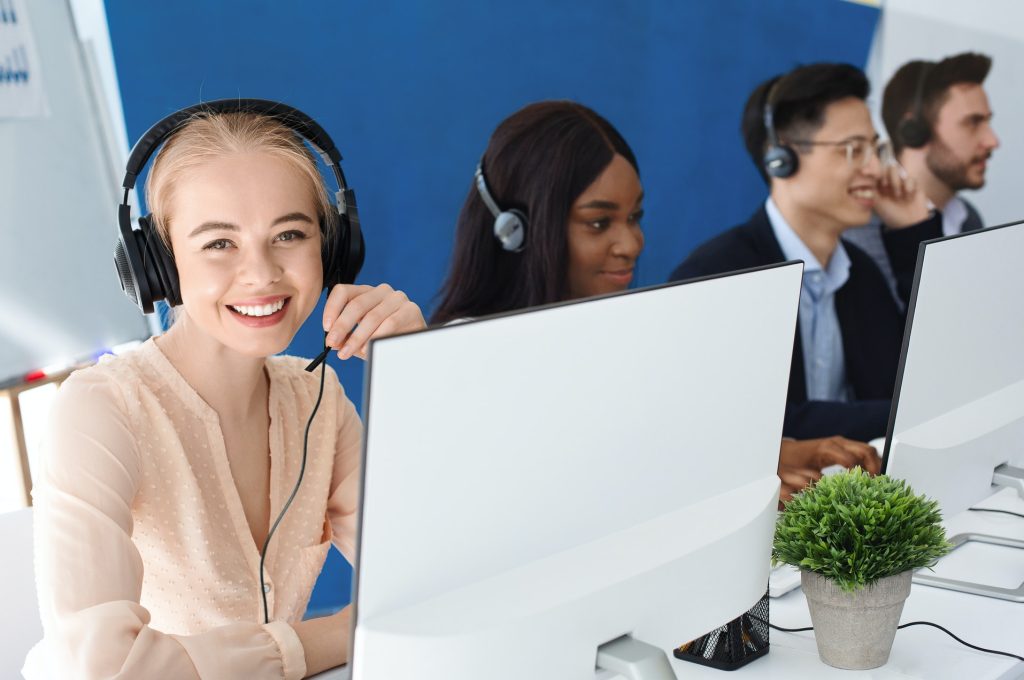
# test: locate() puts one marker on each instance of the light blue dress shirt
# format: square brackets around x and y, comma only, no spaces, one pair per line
[820,334]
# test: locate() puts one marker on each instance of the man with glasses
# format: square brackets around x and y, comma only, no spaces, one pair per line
[940,122]
[810,135]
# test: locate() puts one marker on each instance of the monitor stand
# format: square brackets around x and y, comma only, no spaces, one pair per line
[1011,594]
[634,660]
[1005,475]
[1008,475]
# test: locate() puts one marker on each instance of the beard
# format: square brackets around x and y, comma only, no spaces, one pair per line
[950,169]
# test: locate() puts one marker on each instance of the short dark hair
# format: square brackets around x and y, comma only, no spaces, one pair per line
[799,100]
[901,91]
[538,160]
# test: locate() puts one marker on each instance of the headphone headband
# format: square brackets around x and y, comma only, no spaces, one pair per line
[769,113]
[922,78]
[780,160]
[914,131]
[485,193]
[288,116]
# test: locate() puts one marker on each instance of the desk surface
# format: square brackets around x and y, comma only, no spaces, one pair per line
[917,652]
[920,651]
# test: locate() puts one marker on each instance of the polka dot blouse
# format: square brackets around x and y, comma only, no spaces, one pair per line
[145,564]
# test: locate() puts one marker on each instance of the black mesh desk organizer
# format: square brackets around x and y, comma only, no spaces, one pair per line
[733,645]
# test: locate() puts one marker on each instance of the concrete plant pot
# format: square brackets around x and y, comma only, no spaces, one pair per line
[855,630]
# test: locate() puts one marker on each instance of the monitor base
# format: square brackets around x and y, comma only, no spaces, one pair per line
[634,660]
[1011,594]
[1010,476]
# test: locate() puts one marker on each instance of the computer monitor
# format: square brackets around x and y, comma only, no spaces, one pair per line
[958,411]
[541,483]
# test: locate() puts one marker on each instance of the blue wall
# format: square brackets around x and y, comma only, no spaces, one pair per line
[410,91]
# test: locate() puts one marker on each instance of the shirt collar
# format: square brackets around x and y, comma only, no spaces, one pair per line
[953,216]
[793,248]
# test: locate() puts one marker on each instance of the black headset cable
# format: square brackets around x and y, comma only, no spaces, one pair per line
[302,471]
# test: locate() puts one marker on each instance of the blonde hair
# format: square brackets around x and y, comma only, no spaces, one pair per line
[210,136]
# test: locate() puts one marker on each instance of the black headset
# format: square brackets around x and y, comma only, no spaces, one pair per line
[780,160]
[145,266]
[915,131]
[509,225]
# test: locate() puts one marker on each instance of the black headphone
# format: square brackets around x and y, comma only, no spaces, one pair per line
[780,160]
[915,131]
[145,266]
[509,225]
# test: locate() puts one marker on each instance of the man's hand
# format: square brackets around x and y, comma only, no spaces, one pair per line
[900,202]
[801,461]
[818,454]
[794,480]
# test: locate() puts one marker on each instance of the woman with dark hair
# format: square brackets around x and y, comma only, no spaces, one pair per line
[572,182]
[575,181]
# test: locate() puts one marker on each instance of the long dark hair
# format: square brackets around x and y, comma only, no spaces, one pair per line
[539,160]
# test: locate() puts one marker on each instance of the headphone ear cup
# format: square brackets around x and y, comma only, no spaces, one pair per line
[129,262]
[331,254]
[510,230]
[914,133]
[160,264]
[342,255]
[356,255]
[780,161]
[145,267]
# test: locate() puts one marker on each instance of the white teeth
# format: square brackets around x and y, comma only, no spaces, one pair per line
[863,193]
[259,310]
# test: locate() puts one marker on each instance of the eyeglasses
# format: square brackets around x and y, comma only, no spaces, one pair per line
[858,151]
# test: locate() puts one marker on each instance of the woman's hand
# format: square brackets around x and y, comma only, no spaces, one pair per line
[355,314]
[325,640]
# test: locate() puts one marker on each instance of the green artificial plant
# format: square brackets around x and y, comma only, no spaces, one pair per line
[853,528]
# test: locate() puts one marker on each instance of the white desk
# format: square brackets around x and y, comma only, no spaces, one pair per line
[917,652]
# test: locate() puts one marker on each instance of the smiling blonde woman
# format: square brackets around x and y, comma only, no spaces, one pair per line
[166,466]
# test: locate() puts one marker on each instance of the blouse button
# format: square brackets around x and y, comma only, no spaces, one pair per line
[266,587]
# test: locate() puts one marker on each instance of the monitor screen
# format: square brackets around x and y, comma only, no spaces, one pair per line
[540,483]
[958,410]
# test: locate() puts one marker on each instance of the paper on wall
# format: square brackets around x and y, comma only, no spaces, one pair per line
[21,87]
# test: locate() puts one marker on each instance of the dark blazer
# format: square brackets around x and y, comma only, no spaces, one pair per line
[875,242]
[973,221]
[870,320]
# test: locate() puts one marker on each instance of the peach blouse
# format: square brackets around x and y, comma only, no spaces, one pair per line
[145,564]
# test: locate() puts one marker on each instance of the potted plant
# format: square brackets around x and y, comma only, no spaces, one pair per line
[857,540]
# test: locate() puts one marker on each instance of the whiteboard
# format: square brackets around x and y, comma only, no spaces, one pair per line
[60,301]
